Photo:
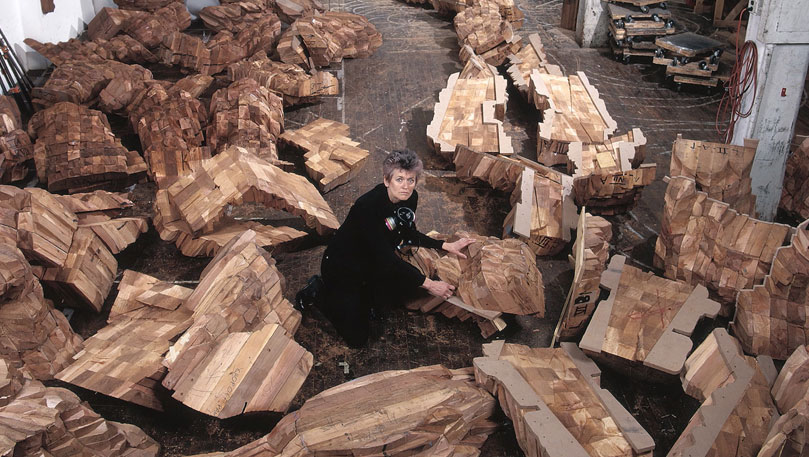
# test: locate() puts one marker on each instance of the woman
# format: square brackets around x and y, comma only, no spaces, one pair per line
[360,269]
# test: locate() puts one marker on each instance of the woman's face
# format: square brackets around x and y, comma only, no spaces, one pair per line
[400,185]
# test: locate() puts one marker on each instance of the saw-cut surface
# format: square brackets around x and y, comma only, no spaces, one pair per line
[529,58]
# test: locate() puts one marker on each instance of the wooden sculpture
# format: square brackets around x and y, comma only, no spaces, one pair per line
[558,408]
[122,48]
[508,9]
[646,319]
[788,435]
[143,5]
[771,317]
[151,29]
[188,52]
[500,172]
[572,111]
[331,157]
[795,195]
[470,111]
[16,149]
[51,421]
[720,170]
[589,259]
[109,22]
[81,82]
[291,10]
[288,80]
[320,39]
[792,382]
[531,57]
[247,115]
[232,17]
[735,418]
[487,33]
[426,411]
[703,241]
[608,177]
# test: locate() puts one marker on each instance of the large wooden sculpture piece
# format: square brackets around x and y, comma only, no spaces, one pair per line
[558,408]
[331,157]
[291,81]
[720,170]
[771,317]
[788,435]
[425,411]
[646,319]
[291,10]
[143,5]
[736,416]
[16,148]
[470,111]
[122,48]
[572,111]
[795,195]
[792,383]
[522,63]
[51,421]
[704,241]
[486,32]
[232,17]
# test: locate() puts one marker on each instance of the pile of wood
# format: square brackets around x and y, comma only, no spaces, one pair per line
[737,410]
[122,48]
[191,211]
[142,5]
[188,52]
[247,115]
[771,318]
[795,196]
[109,22]
[589,259]
[689,58]
[320,39]
[720,170]
[75,149]
[470,112]
[558,408]
[633,31]
[508,8]
[51,421]
[426,411]
[331,157]
[486,32]
[647,320]
[82,82]
[531,57]
[609,176]
[232,17]
[292,82]
[16,150]
[151,29]
[291,10]
[704,241]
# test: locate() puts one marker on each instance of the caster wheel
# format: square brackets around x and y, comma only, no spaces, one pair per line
[678,87]
[714,59]
[628,19]
[619,23]
[669,24]
[658,52]
[703,65]
[620,43]
[630,39]
[656,18]
[662,5]
[626,60]
[644,9]
[675,61]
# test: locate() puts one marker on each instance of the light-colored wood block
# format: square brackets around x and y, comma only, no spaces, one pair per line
[529,58]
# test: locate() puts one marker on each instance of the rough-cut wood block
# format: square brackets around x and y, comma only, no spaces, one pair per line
[792,382]
[16,151]
[572,111]
[122,48]
[291,10]
[427,411]
[81,82]
[331,157]
[795,195]
[150,29]
[232,17]
[554,398]
[710,366]
[45,227]
[482,30]
[247,115]
[735,418]
[500,172]
[118,234]
[589,259]
[75,147]
[320,39]
[531,57]
[508,8]
[720,170]
[124,359]
[99,201]
[470,111]
[143,5]
[52,421]
[703,241]
[646,319]
[236,176]
[788,436]
[291,81]
[186,51]
[108,22]
[771,318]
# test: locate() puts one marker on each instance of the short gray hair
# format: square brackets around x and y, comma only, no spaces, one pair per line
[402,159]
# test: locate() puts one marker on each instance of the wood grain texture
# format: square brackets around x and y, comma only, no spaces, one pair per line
[788,434]
[792,382]
[16,148]
[529,58]
[795,196]
[122,48]
[151,29]
[486,32]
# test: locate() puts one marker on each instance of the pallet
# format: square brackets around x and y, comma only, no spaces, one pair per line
[621,11]
[689,44]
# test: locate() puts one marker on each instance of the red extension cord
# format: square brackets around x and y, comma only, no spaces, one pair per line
[743,76]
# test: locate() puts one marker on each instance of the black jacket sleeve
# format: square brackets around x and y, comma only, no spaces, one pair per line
[424,240]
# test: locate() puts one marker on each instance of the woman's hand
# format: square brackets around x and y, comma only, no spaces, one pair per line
[439,289]
[456,246]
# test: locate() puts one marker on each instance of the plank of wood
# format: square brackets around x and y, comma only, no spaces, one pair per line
[795,194]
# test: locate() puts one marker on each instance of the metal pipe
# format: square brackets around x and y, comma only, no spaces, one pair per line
[27,80]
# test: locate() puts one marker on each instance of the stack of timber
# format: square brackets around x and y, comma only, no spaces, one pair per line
[589,259]
[170,123]
[704,241]
[795,196]
[51,421]
[122,48]
[291,10]
[232,17]
[331,156]
[647,320]
[76,149]
[572,112]
[486,32]
[292,82]
[143,5]
[720,170]
[470,112]
[737,410]
[320,39]
[188,52]
[558,408]
[689,58]
[633,31]
[771,318]
[191,211]
[531,57]
[16,149]
[247,115]
[425,411]
[608,177]
[151,29]
[508,8]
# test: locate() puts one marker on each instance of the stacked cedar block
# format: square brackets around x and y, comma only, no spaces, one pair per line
[689,59]
[633,29]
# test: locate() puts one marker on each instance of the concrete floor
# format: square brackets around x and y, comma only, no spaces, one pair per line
[388,100]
